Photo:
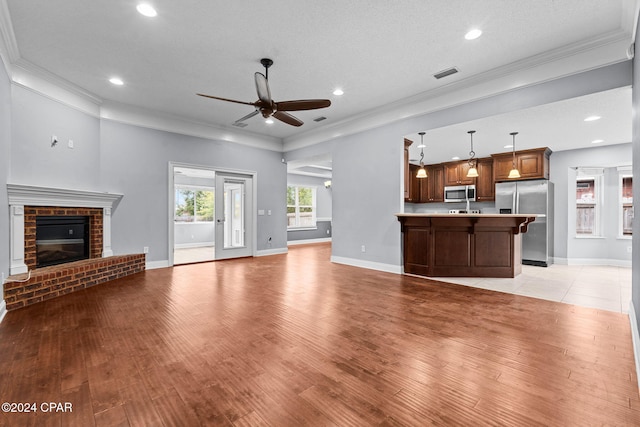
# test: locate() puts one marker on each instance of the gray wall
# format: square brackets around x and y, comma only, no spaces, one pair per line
[367,166]
[563,174]
[635,285]
[5,160]
[134,162]
[323,208]
[126,159]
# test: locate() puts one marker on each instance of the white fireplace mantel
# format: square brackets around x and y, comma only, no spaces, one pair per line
[27,195]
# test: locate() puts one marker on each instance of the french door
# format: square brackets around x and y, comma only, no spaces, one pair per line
[233,216]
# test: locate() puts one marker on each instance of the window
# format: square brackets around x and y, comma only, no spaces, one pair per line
[626,204]
[301,207]
[588,201]
[193,204]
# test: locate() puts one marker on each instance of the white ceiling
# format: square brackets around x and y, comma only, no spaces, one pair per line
[378,52]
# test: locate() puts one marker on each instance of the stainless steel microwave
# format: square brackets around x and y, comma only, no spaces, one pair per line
[460,193]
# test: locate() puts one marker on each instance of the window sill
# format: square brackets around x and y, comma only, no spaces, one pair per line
[625,237]
[590,237]
[302,229]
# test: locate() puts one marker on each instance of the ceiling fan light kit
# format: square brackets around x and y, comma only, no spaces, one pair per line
[266,106]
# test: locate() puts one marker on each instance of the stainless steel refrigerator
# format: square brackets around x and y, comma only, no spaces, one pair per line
[531,197]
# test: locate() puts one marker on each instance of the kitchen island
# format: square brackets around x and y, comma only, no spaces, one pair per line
[463,245]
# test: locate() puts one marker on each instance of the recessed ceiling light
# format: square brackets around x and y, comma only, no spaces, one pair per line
[592,118]
[597,141]
[455,158]
[473,34]
[338,92]
[147,10]
[422,146]
[116,81]
[269,121]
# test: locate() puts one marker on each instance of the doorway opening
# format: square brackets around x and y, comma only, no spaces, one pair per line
[210,214]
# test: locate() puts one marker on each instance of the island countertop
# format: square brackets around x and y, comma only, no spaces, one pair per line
[463,245]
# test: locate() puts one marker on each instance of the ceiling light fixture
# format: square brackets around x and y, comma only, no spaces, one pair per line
[455,158]
[473,34]
[422,172]
[514,173]
[597,141]
[592,118]
[269,121]
[473,171]
[116,81]
[338,92]
[147,10]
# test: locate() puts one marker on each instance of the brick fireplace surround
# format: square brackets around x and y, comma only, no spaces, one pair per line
[29,285]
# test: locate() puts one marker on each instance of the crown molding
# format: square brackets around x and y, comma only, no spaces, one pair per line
[606,49]
[137,116]
[8,46]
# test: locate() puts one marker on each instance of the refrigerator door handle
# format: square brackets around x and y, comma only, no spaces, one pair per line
[517,197]
[513,202]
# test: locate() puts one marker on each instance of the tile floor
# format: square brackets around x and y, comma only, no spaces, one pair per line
[603,287]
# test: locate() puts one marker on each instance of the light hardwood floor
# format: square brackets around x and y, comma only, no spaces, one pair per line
[290,340]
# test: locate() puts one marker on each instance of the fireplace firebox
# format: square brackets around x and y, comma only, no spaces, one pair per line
[61,239]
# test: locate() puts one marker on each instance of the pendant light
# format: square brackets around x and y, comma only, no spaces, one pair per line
[473,172]
[422,172]
[514,173]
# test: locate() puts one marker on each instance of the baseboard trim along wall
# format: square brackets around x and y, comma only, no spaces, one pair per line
[3,310]
[307,241]
[592,261]
[276,251]
[635,338]
[388,268]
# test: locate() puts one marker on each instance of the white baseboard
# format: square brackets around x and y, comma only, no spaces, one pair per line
[193,245]
[276,251]
[635,338]
[389,268]
[306,241]
[3,310]
[151,265]
[592,261]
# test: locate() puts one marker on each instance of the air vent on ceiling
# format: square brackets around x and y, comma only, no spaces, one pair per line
[445,73]
[319,119]
[240,124]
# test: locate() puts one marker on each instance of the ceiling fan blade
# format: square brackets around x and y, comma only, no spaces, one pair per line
[226,99]
[302,104]
[287,118]
[262,87]
[248,116]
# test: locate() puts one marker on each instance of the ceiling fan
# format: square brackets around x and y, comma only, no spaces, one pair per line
[268,107]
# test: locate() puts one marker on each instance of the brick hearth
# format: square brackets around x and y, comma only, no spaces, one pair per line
[50,282]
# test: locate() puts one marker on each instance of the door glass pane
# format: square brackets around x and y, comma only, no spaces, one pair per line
[233,214]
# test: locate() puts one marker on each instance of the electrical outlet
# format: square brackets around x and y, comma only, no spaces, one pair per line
[54,140]
[146,249]
[363,249]
[70,143]
[328,231]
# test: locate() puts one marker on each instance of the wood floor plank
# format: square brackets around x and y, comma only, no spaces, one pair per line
[293,339]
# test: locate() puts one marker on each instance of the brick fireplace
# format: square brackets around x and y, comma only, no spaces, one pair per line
[28,284]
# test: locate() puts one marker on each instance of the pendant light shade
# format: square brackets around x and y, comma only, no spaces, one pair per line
[422,172]
[473,172]
[514,172]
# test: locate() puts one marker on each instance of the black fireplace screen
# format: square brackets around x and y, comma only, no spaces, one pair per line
[61,239]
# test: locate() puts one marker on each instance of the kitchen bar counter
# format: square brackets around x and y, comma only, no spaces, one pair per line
[463,245]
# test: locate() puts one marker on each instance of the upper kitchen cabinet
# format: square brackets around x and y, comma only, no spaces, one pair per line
[485,185]
[432,187]
[532,164]
[407,176]
[455,173]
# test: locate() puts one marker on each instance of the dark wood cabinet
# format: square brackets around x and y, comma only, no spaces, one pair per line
[532,164]
[485,185]
[414,185]
[433,187]
[455,173]
[407,176]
